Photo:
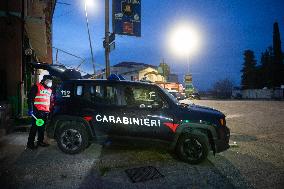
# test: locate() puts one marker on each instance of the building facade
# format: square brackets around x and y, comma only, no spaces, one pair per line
[149,74]
[25,36]
[134,71]
[173,78]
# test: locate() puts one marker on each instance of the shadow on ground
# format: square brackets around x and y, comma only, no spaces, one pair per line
[109,171]
[104,167]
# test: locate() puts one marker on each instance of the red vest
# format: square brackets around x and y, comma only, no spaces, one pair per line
[42,99]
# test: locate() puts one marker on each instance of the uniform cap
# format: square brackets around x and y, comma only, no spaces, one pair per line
[45,77]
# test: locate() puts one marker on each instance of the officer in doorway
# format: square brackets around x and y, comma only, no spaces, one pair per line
[39,106]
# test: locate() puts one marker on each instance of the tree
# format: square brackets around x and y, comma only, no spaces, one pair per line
[164,70]
[277,65]
[223,88]
[249,70]
[265,70]
[277,44]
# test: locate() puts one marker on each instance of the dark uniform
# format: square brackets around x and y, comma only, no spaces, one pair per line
[39,106]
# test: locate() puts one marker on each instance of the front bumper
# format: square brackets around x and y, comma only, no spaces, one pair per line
[222,143]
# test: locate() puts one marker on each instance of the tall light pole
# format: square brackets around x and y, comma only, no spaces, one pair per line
[107,50]
[90,41]
[184,40]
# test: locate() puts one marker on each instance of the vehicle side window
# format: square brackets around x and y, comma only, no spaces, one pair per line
[108,95]
[144,98]
[92,90]
[79,90]
[111,95]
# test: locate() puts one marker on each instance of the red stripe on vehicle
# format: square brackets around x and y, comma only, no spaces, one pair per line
[88,118]
[172,126]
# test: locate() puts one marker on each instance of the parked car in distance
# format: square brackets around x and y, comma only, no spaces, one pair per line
[195,96]
[177,95]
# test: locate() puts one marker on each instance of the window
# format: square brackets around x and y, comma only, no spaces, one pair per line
[143,98]
[92,90]
[109,95]
[79,90]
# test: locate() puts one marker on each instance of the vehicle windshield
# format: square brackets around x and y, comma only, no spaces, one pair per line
[170,96]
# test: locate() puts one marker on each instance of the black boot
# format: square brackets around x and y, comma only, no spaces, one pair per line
[31,146]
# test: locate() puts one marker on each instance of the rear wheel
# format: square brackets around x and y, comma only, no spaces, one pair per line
[72,138]
[192,148]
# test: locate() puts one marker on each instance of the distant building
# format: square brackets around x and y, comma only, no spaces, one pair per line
[124,67]
[149,74]
[173,78]
[171,86]
[136,71]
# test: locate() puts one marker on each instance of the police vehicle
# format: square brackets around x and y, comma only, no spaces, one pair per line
[86,108]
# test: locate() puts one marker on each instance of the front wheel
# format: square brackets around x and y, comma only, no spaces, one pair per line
[72,138]
[192,148]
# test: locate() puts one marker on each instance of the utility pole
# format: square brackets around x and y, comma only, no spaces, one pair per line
[188,59]
[23,63]
[107,50]
[164,79]
[90,42]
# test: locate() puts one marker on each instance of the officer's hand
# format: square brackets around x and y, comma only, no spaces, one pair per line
[30,112]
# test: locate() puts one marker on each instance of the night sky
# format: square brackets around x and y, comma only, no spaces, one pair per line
[227,28]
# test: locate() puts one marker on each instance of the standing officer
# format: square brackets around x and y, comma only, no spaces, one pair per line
[39,106]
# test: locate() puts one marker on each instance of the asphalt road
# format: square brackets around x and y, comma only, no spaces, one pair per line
[257,161]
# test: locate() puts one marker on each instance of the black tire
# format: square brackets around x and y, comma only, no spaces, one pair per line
[72,137]
[192,148]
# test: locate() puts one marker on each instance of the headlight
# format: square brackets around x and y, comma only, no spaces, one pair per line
[223,121]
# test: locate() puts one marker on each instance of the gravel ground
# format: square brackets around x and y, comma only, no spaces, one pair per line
[256,162]
[258,129]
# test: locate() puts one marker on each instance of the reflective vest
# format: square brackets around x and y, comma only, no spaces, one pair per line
[42,98]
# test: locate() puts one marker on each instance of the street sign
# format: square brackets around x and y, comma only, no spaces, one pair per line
[188,78]
[126,16]
[111,37]
[111,46]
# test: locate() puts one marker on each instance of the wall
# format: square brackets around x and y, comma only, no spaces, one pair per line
[11,52]
[151,74]
[38,19]
[173,78]
[262,94]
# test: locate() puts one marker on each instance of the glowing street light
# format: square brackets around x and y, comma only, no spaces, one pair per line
[90,3]
[184,40]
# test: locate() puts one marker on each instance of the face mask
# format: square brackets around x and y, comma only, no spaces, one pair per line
[49,84]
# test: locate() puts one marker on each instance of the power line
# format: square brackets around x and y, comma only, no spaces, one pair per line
[62,3]
[69,53]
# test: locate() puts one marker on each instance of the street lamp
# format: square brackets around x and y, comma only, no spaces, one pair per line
[184,40]
[90,3]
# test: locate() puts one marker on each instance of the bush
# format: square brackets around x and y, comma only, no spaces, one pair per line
[222,89]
